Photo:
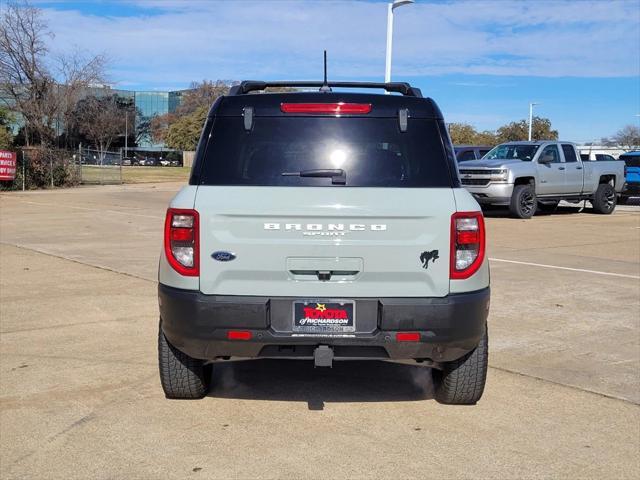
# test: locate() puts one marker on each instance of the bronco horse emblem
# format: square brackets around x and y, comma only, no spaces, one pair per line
[425,257]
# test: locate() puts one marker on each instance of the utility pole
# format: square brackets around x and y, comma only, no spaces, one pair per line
[126,132]
[24,170]
[531,105]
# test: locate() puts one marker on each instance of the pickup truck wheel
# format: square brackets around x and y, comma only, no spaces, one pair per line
[462,381]
[523,201]
[604,200]
[180,375]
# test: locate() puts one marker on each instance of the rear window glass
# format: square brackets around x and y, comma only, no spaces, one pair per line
[631,160]
[569,153]
[466,155]
[372,152]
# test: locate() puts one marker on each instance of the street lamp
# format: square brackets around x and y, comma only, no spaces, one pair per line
[390,8]
[531,105]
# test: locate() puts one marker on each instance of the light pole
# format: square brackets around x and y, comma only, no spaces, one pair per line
[531,105]
[390,8]
[126,132]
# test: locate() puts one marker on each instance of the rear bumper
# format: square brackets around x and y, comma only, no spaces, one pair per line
[198,325]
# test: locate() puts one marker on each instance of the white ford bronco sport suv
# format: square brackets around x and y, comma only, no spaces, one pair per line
[325,226]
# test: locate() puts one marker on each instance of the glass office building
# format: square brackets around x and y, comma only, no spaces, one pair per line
[149,105]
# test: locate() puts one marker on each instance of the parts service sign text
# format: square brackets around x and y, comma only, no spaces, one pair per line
[7,165]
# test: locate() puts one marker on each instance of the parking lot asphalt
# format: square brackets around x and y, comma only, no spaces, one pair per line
[80,395]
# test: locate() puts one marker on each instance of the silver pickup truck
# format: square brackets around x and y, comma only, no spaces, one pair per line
[526,176]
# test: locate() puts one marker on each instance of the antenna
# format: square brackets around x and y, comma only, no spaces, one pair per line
[325,84]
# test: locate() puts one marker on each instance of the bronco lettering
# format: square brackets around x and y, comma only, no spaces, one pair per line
[335,228]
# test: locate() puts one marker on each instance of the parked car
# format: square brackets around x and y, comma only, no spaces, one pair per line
[165,162]
[324,226]
[632,175]
[596,157]
[523,175]
[470,152]
[127,161]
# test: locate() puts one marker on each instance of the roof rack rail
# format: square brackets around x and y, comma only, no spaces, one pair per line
[254,85]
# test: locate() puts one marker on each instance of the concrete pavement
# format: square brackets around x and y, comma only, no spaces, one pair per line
[80,396]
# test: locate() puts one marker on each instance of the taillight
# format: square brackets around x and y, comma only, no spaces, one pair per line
[239,335]
[407,337]
[467,244]
[340,108]
[181,244]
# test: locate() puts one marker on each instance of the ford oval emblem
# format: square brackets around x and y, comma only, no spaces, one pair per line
[223,256]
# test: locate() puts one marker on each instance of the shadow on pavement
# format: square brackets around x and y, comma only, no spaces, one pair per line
[499,212]
[565,208]
[298,380]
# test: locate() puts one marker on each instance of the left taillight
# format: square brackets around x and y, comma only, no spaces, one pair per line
[181,241]
[467,244]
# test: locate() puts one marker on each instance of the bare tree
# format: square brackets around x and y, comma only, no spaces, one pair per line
[628,137]
[41,94]
[201,94]
[76,73]
[101,120]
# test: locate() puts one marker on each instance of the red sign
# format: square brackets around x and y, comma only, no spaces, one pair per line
[7,165]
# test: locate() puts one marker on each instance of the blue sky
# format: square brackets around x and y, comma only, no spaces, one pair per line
[482,61]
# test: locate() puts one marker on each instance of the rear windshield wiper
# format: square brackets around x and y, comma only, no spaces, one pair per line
[337,175]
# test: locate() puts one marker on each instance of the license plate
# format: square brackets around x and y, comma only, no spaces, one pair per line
[320,316]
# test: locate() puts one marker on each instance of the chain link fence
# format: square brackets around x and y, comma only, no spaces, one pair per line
[43,168]
[99,168]
[49,168]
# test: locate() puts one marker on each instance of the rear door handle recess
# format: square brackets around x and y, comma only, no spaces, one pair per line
[325,275]
[561,168]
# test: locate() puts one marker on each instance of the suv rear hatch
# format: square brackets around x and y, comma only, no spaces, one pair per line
[379,228]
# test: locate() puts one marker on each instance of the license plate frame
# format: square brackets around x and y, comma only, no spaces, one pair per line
[330,318]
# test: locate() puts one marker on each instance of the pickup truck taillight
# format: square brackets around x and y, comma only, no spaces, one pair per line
[181,243]
[467,244]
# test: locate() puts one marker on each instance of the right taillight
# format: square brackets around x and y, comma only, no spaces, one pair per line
[467,244]
[181,244]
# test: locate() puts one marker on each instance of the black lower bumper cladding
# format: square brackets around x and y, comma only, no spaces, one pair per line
[199,325]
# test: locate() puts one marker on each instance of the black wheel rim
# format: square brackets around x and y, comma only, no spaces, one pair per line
[609,198]
[527,203]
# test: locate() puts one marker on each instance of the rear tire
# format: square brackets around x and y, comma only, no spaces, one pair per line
[604,200]
[181,376]
[462,381]
[523,201]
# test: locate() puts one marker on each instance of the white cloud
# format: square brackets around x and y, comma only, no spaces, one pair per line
[266,39]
